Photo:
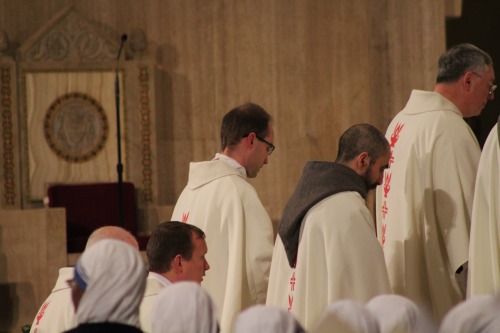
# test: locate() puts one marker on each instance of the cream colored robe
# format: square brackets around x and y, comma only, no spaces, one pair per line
[57,313]
[239,236]
[484,251]
[148,304]
[338,257]
[424,206]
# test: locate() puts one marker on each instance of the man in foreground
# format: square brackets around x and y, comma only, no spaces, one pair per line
[176,252]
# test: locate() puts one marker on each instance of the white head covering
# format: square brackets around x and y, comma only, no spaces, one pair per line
[493,326]
[184,307]
[471,316]
[113,275]
[267,319]
[348,316]
[396,313]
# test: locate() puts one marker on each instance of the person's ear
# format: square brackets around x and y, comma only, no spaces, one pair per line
[177,263]
[363,160]
[467,80]
[251,138]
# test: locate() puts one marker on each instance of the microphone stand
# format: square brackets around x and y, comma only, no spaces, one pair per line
[119,166]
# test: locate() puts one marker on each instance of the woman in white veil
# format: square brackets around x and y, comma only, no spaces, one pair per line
[107,288]
[184,307]
[267,319]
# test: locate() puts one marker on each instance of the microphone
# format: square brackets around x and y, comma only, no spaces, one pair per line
[119,165]
[123,39]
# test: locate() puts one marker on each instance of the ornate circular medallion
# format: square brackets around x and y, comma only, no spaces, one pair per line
[76,127]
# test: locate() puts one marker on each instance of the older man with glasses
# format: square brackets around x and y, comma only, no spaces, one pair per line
[219,200]
[424,206]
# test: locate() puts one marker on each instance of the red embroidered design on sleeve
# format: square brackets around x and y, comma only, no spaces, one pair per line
[384,228]
[185,217]
[292,289]
[385,209]
[391,159]
[395,134]
[292,282]
[40,314]
[388,176]
[387,184]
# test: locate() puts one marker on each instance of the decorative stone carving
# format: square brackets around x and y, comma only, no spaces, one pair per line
[71,39]
[9,171]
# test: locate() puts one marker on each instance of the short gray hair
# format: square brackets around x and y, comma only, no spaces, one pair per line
[459,59]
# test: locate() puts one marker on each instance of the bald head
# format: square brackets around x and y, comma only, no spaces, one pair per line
[112,232]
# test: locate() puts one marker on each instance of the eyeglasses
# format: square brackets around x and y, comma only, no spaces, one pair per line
[492,88]
[270,147]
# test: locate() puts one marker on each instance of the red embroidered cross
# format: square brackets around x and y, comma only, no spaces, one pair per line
[385,209]
[395,134]
[185,217]
[387,184]
[292,282]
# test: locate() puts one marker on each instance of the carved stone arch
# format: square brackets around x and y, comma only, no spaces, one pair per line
[69,38]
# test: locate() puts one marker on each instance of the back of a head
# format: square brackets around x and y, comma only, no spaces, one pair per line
[112,232]
[396,314]
[113,276]
[267,319]
[167,240]
[241,121]
[472,315]
[184,307]
[348,316]
[459,59]
[361,138]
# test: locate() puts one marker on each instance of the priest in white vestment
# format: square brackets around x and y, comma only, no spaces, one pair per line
[424,206]
[326,249]
[484,248]
[176,252]
[220,201]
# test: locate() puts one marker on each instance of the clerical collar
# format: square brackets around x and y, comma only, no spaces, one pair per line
[163,280]
[233,163]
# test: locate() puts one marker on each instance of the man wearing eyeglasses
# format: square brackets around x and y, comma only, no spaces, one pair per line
[326,249]
[219,200]
[424,206]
